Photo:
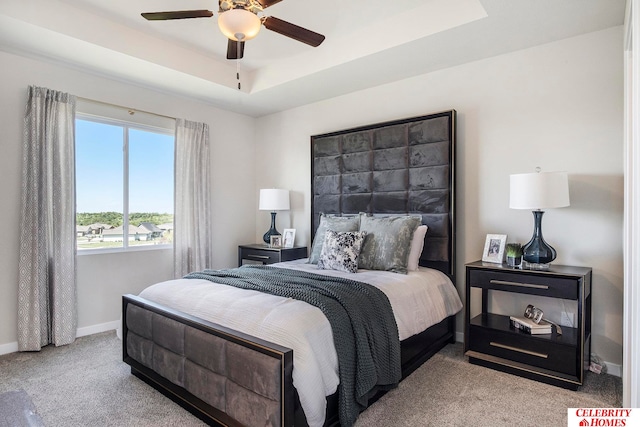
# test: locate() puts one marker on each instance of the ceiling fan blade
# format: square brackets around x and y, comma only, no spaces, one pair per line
[266,3]
[293,31]
[177,14]
[232,50]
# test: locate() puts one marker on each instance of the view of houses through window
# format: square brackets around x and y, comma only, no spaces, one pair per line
[124,184]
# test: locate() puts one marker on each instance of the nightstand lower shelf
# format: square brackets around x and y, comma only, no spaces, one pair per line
[521,369]
[491,334]
[494,343]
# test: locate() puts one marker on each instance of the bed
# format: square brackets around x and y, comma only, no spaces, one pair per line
[228,374]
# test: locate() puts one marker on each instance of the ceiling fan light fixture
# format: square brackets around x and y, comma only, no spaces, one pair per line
[239,24]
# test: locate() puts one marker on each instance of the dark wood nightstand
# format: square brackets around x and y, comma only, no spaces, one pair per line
[551,358]
[262,253]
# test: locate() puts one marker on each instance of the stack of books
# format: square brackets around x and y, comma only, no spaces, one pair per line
[529,326]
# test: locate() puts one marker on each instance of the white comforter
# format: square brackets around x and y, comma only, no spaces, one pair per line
[419,300]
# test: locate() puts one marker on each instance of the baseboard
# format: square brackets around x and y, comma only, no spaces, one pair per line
[12,347]
[96,329]
[612,368]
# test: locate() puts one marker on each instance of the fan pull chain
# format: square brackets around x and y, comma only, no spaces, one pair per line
[238,66]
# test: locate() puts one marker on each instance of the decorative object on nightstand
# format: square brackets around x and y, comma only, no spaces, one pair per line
[494,248]
[288,237]
[537,191]
[275,241]
[537,315]
[514,254]
[273,199]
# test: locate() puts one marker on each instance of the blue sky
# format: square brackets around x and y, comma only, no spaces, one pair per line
[99,169]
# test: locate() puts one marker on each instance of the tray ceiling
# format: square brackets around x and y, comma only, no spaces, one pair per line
[368,43]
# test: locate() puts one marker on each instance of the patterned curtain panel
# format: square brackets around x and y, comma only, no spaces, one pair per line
[193,236]
[47,312]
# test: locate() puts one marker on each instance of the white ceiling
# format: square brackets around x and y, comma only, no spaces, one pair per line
[368,42]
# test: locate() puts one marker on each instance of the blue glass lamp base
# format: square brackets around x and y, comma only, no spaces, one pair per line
[537,254]
[272,231]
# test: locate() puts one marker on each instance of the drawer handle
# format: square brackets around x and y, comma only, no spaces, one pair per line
[524,285]
[521,350]
[257,256]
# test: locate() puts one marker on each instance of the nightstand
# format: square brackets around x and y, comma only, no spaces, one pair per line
[263,254]
[551,358]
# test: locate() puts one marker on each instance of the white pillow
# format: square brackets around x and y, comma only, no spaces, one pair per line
[417,243]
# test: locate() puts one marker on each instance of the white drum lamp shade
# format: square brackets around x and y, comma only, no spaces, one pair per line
[273,199]
[537,191]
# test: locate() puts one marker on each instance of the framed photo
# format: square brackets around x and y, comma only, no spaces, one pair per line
[494,248]
[276,241]
[288,237]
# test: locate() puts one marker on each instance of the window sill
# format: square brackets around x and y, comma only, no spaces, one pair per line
[82,252]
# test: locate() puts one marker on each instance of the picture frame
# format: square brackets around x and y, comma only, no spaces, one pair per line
[494,248]
[288,237]
[275,241]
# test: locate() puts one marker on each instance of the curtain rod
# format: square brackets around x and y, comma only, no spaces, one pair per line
[125,108]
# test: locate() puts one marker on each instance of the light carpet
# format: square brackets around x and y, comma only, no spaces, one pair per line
[17,410]
[449,391]
[86,383]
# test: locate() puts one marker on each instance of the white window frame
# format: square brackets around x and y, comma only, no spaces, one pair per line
[126,125]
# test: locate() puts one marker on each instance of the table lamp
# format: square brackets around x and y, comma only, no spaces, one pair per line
[538,191]
[273,199]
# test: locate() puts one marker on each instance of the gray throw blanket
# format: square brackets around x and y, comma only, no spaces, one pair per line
[365,333]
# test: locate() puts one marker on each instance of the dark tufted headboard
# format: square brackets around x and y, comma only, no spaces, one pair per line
[393,168]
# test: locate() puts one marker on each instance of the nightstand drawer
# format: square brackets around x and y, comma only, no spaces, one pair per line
[528,349]
[258,253]
[264,256]
[534,284]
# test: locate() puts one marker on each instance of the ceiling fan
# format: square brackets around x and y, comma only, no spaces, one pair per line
[239,21]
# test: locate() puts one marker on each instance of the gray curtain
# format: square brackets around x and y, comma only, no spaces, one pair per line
[193,235]
[47,309]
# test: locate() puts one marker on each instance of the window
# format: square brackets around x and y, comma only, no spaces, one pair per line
[124,184]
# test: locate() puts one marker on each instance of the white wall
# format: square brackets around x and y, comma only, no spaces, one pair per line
[102,279]
[558,106]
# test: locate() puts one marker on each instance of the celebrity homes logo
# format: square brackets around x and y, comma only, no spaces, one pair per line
[603,417]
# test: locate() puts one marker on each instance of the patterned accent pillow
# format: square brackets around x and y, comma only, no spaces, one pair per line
[388,242]
[335,223]
[340,250]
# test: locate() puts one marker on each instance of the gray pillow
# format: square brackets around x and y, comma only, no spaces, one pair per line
[335,223]
[340,250]
[388,242]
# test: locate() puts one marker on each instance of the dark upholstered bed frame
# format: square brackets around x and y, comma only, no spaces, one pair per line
[229,378]
[404,167]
